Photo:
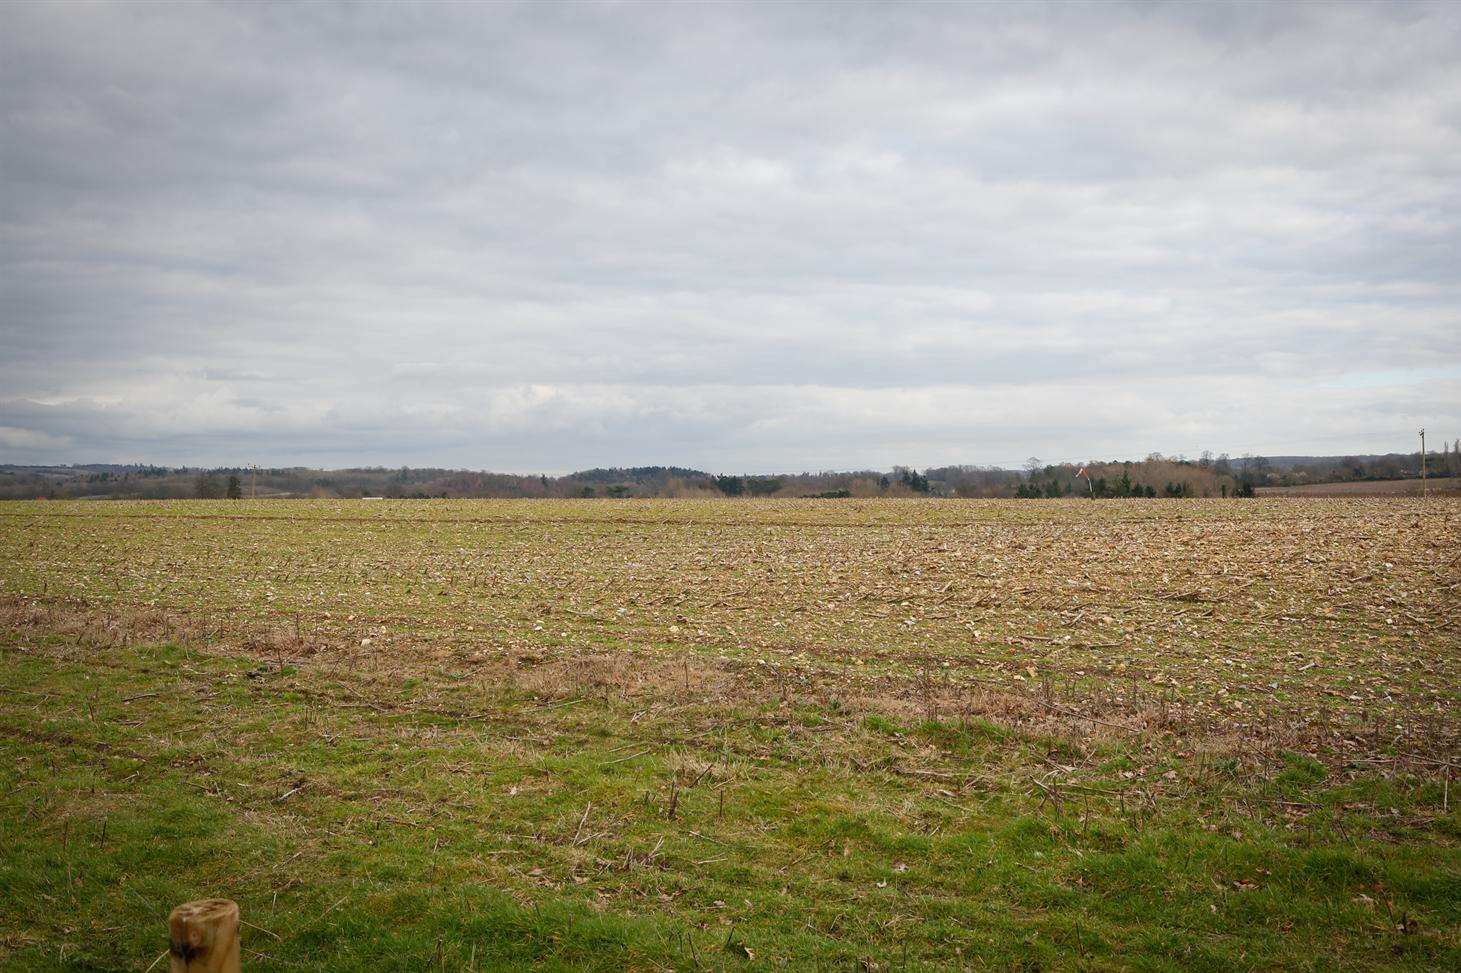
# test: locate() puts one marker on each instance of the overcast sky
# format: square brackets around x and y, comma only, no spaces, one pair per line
[746,237]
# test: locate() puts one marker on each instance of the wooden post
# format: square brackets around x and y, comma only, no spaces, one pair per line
[1423,491]
[204,937]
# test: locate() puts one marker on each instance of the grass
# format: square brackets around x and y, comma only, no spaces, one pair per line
[609,791]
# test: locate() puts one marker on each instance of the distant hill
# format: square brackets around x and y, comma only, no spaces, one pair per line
[1152,477]
[636,474]
[1436,485]
[1290,462]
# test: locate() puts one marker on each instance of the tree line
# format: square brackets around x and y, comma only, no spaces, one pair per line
[1155,476]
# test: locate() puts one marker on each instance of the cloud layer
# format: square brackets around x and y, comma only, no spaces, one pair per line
[747,237]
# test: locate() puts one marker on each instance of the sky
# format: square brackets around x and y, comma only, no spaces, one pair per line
[739,237]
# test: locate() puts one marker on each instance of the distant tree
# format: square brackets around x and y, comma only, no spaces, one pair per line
[915,481]
[235,488]
[731,486]
[208,487]
[762,486]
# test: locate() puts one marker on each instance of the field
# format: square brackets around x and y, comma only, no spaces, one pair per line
[1436,485]
[695,735]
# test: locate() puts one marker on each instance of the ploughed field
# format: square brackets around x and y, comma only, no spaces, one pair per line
[1438,485]
[725,734]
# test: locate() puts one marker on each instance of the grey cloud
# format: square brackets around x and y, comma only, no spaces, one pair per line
[754,236]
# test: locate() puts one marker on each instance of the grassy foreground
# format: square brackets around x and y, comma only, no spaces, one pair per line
[458,825]
[703,736]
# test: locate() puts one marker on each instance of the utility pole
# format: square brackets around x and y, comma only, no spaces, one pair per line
[254,482]
[1422,462]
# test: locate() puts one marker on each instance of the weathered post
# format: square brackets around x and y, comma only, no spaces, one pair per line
[204,937]
[1423,491]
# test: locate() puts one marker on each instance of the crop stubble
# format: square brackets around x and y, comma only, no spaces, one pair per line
[1327,625]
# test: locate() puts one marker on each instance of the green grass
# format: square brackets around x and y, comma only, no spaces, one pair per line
[450,821]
